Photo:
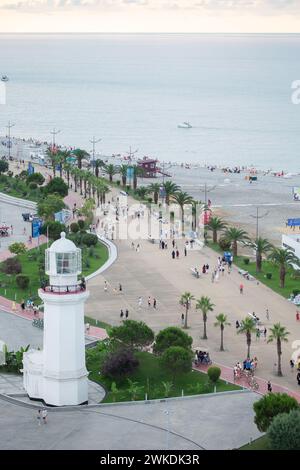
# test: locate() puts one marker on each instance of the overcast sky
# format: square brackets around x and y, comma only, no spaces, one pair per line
[150,15]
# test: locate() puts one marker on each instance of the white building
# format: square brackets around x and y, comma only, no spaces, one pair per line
[292,241]
[57,375]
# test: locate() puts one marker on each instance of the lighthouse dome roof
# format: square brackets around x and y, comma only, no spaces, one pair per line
[63,245]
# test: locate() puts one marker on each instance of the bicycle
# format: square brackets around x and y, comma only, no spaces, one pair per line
[253,384]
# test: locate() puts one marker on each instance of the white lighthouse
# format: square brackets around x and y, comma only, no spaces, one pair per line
[57,375]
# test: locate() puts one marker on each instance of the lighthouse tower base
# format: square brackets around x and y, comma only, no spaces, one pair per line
[53,391]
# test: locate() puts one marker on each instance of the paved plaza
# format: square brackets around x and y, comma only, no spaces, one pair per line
[222,421]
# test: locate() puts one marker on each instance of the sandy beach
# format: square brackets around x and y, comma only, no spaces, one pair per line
[232,196]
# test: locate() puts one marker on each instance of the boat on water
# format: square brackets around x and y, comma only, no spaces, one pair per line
[184,125]
[4,78]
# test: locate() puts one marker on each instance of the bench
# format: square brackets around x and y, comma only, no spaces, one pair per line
[246,275]
[195,273]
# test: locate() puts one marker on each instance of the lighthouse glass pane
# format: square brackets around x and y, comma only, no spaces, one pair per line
[66,263]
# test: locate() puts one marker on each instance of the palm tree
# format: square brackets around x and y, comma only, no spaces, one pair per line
[197,208]
[142,191]
[247,327]
[80,155]
[98,164]
[235,235]
[215,225]
[261,246]
[52,155]
[110,170]
[123,172]
[205,305]
[186,301]
[182,199]
[279,333]
[137,171]
[222,322]
[170,189]
[62,156]
[154,188]
[68,169]
[284,258]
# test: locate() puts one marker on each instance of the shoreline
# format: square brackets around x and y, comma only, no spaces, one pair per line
[233,198]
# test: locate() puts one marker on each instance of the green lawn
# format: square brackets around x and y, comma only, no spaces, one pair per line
[262,443]
[34,258]
[290,282]
[150,377]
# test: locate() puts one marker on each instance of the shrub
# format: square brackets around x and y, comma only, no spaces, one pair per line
[295,292]
[32,185]
[36,178]
[214,374]
[176,360]
[81,224]
[11,266]
[3,166]
[58,186]
[118,182]
[22,281]
[74,227]
[269,275]
[120,364]
[53,229]
[246,261]
[270,406]
[284,432]
[133,334]
[17,248]
[172,336]
[224,244]
[128,187]
[89,239]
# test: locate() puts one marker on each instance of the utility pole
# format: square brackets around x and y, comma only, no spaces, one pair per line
[54,133]
[9,126]
[94,142]
[206,191]
[257,217]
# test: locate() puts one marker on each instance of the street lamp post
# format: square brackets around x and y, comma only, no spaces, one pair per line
[257,217]
[9,126]
[54,133]
[94,142]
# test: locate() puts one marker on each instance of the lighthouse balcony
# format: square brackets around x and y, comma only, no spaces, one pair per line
[65,290]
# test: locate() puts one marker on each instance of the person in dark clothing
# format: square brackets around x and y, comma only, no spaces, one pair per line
[121,314]
[173,254]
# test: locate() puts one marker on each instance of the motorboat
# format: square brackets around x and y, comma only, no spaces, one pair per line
[4,78]
[185,125]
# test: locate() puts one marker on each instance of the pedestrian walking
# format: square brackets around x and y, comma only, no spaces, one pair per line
[270,387]
[292,364]
[105,286]
[265,333]
[185,251]
[120,287]
[241,289]
[39,417]
[177,254]
[126,313]
[173,254]
[45,416]
[154,303]
[149,302]
[257,334]
[140,302]
[121,314]
[267,314]
[173,243]
[182,319]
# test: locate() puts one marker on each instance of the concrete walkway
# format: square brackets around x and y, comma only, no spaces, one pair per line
[221,421]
